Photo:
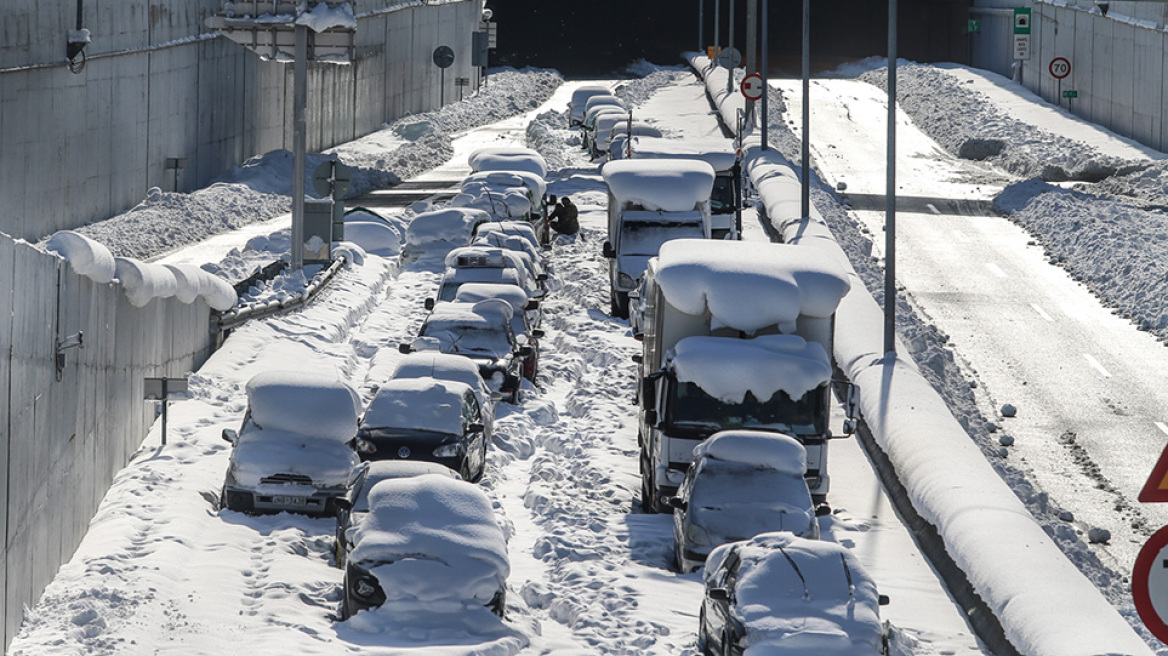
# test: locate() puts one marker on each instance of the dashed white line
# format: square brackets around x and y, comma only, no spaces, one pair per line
[996,270]
[1041,312]
[1095,363]
[932,208]
[1162,426]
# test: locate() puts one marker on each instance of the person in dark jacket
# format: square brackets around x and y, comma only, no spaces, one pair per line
[563,219]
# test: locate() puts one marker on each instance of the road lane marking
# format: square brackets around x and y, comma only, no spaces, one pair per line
[960,236]
[1162,426]
[932,208]
[996,270]
[1041,312]
[1095,363]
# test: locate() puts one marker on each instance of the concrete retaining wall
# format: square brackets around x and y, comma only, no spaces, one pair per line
[157,84]
[64,437]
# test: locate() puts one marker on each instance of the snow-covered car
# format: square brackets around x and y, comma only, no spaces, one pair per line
[443,366]
[294,450]
[580,99]
[481,332]
[741,483]
[593,115]
[524,319]
[531,255]
[778,593]
[427,543]
[510,229]
[354,507]
[602,130]
[431,235]
[426,419]
[508,158]
[489,265]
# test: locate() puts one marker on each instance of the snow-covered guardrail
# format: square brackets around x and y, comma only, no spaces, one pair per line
[243,313]
[1044,604]
[729,101]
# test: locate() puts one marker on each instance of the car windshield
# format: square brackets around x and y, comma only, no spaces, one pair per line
[645,238]
[693,410]
[469,339]
[722,197]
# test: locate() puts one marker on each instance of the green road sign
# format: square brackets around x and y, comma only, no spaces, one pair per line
[1070,94]
[1022,20]
[974,26]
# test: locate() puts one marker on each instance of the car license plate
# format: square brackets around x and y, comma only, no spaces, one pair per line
[289,501]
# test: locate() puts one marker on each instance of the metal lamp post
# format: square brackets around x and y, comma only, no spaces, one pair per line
[890,193]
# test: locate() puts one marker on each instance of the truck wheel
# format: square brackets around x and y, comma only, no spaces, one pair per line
[620,305]
[648,494]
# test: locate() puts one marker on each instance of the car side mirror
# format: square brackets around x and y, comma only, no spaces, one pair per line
[537,333]
[405,349]
[822,510]
[532,305]
[474,428]
[230,435]
[849,427]
[676,503]
[638,358]
[718,594]
[542,277]
[524,351]
[651,418]
[343,505]
[429,303]
[883,600]
[607,251]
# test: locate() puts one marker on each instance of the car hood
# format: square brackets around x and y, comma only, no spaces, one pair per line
[326,462]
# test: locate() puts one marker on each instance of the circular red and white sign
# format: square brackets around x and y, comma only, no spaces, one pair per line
[752,86]
[1060,67]
[1150,584]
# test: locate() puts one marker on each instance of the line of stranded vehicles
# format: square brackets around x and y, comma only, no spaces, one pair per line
[735,380]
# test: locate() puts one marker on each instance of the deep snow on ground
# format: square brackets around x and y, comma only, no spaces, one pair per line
[559,471]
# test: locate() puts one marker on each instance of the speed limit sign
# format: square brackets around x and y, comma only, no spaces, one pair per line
[1060,67]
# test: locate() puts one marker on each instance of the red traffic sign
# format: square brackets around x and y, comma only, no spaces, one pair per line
[1156,489]
[1060,67]
[1150,584]
[752,86]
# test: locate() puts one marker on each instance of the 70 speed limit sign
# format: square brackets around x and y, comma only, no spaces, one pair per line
[1060,67]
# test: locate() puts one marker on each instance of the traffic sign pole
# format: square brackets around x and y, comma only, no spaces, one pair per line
[1150,584]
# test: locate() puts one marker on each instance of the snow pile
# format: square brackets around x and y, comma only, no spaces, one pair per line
[144,282]
[324,17]
[722,87]
[87,257]
[508,159]
[433,543]
[727,368]
[783,281]
[776,451]
[261,453]
[303,402]
[417,404]
[802,597]
[648,78]
[665,185]
[967,126]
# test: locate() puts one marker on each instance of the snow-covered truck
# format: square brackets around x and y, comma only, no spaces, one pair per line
[649,203]
[726,197]
[735,335]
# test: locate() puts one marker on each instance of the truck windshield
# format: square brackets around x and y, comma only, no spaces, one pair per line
[644,238]
[692,410]
[722,197]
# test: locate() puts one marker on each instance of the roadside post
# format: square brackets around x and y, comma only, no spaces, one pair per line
[1021,38]
[1150,572]
[443,59]
[1060,68]
[164,390]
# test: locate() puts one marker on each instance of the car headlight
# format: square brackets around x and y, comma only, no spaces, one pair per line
[625,280]
[448,450]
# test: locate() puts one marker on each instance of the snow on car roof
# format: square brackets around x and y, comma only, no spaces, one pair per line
[783,281]
[718,153]
[417,403]
[443,366]
[727,368]
[453,224]
[431,539]
[504,158]
[601,100]
[811,610]
[505,179]
[261,453]
[487,313]
[758,448]
[308,403]
[510,228]
[482,256]
[666,185]
[473,292]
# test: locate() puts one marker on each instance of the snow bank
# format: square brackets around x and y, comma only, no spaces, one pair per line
[758,448]
[508,159]
[417,403]
[87,257]
[324,17]
[266,452]
[803,597]
[1044,604]
[303,402]
[144,282]
[666,185]
[433,543]
[378,238]
[727,368]
[783,282]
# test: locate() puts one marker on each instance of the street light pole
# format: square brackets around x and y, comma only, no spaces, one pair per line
[730,39]
[701,25]
[299,144]
[890,193]
[805,191]
[717,26]
[766,82]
